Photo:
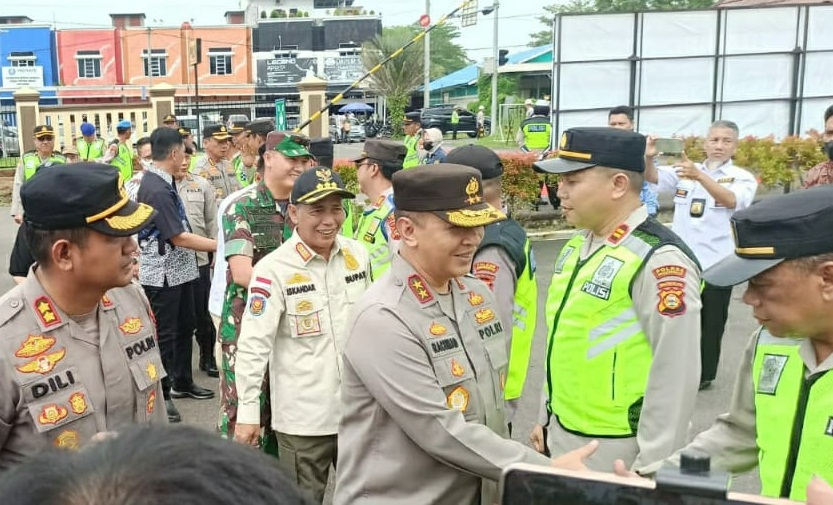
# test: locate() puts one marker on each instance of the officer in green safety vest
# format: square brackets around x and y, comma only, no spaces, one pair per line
[455,122]
[376,230]
[245,175]
[623,310]
[90,147]
[43,155]
[535,133]
[120,153]
[781,415]
[412,124]
[505,262]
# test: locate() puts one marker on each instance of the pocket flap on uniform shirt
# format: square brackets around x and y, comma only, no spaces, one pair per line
[453,369]
[147,371]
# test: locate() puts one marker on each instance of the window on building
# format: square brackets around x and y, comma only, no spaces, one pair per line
[156,64]
[89,63]
[22,59]
[220,61]
[349,49]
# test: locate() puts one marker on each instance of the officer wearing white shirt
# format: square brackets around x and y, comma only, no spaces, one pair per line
[705,197]
[299,302]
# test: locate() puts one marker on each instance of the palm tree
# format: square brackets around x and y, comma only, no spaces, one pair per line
[398,78]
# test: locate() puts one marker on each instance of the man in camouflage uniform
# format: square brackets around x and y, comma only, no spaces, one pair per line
[254,225]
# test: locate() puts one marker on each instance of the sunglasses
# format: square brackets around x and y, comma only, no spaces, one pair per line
[46,139]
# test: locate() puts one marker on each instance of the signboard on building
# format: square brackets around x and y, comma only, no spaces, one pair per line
[284,71]
[23,77]
[280,114]
[345,69]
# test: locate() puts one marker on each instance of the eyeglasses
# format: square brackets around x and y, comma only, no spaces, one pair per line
[46,139]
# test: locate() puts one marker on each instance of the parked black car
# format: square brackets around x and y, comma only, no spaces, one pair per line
[439,116]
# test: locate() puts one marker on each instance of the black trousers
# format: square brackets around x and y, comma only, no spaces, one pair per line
[712,325]
[453,131]
[173,307]
[206,334]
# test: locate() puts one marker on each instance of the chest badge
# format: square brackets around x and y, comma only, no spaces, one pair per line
[458,399]
[771,370]
[457,369]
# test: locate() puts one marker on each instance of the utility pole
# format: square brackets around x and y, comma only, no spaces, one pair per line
[426,93]
[148,62]
[494,110]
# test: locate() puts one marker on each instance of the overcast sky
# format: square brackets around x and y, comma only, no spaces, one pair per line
[516,22]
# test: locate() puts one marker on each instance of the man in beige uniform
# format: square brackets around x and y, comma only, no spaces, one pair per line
[214,166]
[197,196]
[623,311]
[425,361]
[78,352]
[299,303]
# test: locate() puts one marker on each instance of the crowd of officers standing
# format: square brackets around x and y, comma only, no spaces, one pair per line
[392,346]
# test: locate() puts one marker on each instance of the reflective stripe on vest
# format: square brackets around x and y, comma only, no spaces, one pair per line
[793,419]
[370,233]
[31,162]
[412,157]
[524,315]
[243,176]
[598,357]
[537,135]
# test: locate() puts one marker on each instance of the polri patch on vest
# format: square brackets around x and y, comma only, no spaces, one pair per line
[599,285]
[562,259]
[139,347]
[490,330]
[771,370]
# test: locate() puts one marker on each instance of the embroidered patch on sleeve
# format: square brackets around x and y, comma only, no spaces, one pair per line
[669,271]
[486,271]
[671,298]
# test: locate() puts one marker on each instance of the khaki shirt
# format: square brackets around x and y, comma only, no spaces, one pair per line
[731,440]
[220,175]
[297,312]
[422,394]
[61,384]
[674,377]
[197,196]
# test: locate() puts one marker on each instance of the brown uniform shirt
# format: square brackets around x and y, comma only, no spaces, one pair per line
[62,382]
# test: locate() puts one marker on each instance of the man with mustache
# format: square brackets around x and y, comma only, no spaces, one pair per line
[823,172]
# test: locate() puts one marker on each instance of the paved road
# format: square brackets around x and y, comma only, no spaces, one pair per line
[710,402]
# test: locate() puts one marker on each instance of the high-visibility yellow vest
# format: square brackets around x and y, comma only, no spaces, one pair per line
[124,161]
[598,356]
[537,132]
[793,419]
[31,161]
[510,236]
[90,151]
[412,156]
[370,232]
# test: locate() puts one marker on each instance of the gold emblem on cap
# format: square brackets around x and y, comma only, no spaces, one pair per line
[563,143]
[223,129]
[472,189]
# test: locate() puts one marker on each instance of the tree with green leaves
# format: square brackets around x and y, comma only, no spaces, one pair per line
[446,55]
[544,37]
[398,78]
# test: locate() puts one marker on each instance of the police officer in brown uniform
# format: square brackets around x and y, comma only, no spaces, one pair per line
[78,352]
[425,361]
